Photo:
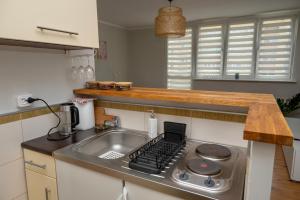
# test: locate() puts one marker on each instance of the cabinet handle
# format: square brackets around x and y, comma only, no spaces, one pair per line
[56,30]
[36,165]
[46,193]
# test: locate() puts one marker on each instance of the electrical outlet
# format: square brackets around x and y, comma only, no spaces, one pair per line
[21,100]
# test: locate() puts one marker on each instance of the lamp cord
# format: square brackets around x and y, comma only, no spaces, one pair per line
[31,100]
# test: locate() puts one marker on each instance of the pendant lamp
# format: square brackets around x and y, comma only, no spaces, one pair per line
[170,22]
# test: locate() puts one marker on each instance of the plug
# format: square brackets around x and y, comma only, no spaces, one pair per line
[22,100]
[31,100]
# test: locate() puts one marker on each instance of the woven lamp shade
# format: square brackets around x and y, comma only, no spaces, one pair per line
[170,22]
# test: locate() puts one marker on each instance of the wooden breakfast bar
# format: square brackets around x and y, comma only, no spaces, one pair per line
[265,122]
[265,126]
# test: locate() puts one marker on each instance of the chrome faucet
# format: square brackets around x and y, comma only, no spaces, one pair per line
[115,123]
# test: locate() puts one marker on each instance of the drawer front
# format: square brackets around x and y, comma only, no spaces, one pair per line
[40,187]
[39,163]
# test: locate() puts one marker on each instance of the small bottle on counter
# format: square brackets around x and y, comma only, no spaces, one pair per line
[152,125]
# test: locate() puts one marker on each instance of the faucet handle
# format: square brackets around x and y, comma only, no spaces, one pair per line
[117,122]
[114,123]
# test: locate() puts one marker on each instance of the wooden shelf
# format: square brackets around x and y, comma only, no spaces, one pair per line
[265,122]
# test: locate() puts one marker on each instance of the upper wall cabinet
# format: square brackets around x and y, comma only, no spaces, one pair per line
[69,23]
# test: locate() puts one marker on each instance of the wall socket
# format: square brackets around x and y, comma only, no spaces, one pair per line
[21,100]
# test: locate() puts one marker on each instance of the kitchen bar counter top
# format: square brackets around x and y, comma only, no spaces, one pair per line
[264,123]
[42,145]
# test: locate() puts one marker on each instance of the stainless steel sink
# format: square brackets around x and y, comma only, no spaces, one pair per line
[112,144]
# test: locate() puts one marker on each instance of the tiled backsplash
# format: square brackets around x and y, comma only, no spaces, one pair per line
[14,129]
[217,131]
[226,128]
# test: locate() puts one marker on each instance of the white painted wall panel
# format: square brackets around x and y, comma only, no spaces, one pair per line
[129,119]
[38,126]
[12,181]
[230,133]
[11,138]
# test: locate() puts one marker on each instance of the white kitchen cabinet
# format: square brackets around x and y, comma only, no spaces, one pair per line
[40,176]
[40,187]
[136,192]
[78,183]
[19,21]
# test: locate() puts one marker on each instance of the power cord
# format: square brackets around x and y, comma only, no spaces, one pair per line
[63,137]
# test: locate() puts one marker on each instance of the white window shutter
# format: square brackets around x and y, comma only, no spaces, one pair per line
[240,60]
[210,52]
[274,57]
[180,61]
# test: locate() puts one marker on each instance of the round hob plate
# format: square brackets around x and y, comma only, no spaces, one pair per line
[203,167]
[213,151]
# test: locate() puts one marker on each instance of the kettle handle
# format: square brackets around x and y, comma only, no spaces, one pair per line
[74,116]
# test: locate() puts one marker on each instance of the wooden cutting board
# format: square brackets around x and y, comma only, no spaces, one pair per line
[101,117]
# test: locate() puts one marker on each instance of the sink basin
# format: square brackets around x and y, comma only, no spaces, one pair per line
[112,144]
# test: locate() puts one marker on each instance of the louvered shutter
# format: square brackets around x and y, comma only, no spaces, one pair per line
[180,61]
[210,52]
[275,49]
[239,60]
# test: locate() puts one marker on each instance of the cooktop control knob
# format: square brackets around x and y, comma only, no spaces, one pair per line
[183,176]
[209,182]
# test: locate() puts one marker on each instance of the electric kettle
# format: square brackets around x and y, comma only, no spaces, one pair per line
[69,118]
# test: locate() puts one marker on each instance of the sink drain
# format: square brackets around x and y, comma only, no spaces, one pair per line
[111,155]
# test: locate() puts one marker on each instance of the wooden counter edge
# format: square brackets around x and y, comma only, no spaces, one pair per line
[264,123]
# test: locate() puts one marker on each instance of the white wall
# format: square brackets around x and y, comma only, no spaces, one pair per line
[43,73]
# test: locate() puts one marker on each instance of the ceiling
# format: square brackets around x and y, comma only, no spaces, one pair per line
[139,13]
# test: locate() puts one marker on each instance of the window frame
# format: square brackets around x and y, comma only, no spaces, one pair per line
[295,22]
[190,78]
[257,19]
[254,50]
[195,52]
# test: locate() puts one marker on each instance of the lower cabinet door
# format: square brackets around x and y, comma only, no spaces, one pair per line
[40,187]
[78,183]
[136,192]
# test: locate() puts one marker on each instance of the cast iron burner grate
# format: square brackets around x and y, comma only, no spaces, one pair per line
[154,156]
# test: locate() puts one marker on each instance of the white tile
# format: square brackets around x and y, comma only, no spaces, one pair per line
[21,197]
[38,126]
[10,142]
[12,181]
[129,119]
[230,133]
[161,118]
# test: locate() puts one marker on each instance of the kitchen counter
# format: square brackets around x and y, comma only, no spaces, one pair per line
[163,182]
[42,145]
[264,123]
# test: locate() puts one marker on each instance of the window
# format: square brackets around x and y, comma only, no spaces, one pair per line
[210,51]
[180,61]
[275,49]
[250,49]
[239,59]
